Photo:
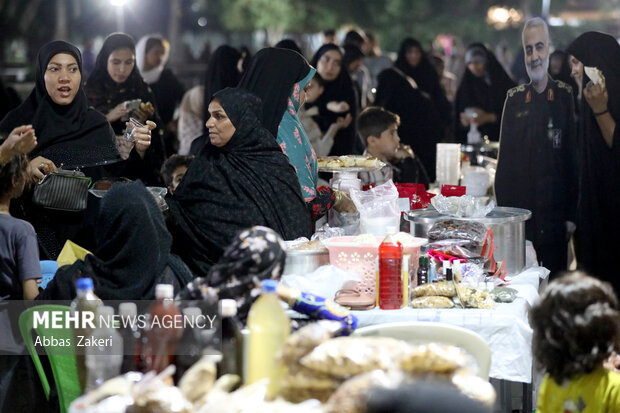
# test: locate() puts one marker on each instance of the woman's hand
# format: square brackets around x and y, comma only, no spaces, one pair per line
[143,137]
[343,202]
[117,113]
[344,122]
[22,139]
[39,167]
[597,97]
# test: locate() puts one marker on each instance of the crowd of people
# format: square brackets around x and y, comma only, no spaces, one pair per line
[241,151]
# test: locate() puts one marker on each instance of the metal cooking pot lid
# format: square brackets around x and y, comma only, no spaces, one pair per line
[499,215]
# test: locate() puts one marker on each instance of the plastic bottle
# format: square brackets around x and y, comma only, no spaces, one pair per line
[423,270]
[103,361]
[231,339]
[390,262]
[128,329]
[190,347]
[269,328]
[473,136]
[85,301]
[160,346]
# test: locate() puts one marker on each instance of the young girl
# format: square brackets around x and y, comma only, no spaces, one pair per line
[576,328]
[19,254]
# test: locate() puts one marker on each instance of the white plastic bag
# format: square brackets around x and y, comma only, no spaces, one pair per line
[465,206]
[323,282]
[378,208]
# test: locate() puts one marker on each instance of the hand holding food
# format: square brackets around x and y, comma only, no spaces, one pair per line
[143,137]
[145,111]
[22,139]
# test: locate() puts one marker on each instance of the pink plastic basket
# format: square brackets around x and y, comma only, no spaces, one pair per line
[361,258]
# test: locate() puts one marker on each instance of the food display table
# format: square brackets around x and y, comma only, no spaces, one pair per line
[505,328]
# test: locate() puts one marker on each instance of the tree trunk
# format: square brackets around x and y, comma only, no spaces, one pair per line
[62,27]
[174,32]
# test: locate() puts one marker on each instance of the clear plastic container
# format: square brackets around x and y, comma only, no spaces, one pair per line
[104,360]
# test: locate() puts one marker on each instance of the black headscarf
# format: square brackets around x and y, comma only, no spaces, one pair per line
[255,254]
[72,134]
[271,76]
[487,92]
[424,75]
[103,92]
[247,182]
[602,51]
[340,89]
[599,203]
[221,73]
[132,250]
[351,54]
[289,44]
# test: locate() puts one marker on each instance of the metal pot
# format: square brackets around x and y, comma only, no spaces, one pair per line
[302,262]
[508,229]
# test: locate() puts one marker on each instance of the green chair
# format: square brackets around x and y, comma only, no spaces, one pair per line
[64,367]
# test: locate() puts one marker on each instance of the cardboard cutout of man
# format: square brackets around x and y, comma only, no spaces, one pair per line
[537,161]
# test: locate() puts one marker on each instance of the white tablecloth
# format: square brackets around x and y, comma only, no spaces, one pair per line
[505,328]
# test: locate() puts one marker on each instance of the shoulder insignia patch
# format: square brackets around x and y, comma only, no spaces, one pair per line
[511,92]
[565,86]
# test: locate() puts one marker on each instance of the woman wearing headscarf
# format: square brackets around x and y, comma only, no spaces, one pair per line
[239,179]
[483,89]
[254,255]
[415,63]
[599,146]
[278,77]
[337,99]
[420,124]
[131,253]
[222,72]
[152,52]
[289,44]
[116,80]
[69,134]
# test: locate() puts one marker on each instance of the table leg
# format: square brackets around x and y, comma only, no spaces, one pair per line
[527,397]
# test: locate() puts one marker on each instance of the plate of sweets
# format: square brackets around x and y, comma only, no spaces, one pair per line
[349,163]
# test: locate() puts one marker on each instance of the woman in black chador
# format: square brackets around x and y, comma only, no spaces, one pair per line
[239,179]
[598,224]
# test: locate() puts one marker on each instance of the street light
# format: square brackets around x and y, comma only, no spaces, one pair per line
[502,17]
[120,15]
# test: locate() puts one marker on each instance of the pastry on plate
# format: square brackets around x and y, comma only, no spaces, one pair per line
[347,161]
[334,163]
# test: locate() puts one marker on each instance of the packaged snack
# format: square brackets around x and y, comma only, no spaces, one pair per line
[465,206]
[437,289]
[352,395]
[317,308]
[434,358]
[302,384]
[348,356]
[304,340]
[475,298]
[504,294]
[432,302]
[458,229]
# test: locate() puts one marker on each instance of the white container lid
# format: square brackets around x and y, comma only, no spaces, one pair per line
[164,291]
[228,307]
[128,309]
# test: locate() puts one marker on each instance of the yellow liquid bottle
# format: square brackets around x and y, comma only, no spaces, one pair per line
[269,328]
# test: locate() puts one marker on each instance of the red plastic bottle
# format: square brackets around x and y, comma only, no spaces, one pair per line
[390,283]
[160,346]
